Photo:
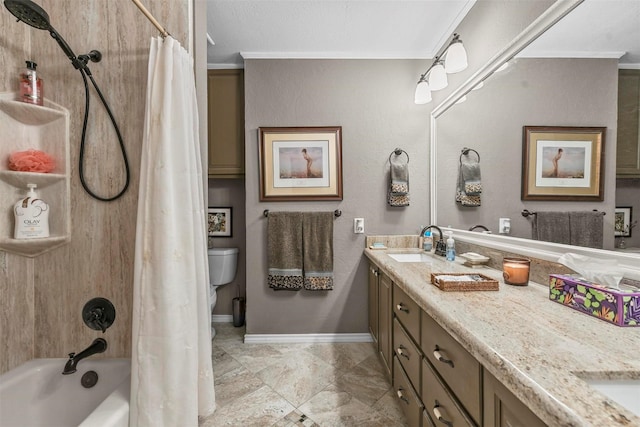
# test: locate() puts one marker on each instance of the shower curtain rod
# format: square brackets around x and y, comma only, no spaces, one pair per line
[154,21]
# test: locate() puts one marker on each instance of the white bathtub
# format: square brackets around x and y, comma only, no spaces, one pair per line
[36,394]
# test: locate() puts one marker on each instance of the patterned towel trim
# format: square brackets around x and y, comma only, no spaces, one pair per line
[318,283]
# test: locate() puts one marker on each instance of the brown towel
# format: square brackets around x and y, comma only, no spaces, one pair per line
[552,227]
[586,228]
[284,250]
[317,237]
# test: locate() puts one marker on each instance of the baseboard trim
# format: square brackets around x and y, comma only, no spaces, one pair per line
[222,318]
[306,338]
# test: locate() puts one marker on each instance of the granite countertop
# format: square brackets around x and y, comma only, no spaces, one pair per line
[537,348]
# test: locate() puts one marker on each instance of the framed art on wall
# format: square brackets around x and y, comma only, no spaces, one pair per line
[300,163]
[622,221]
[219,222]
[563,163]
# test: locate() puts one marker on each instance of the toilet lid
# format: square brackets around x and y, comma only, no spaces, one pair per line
[222,251]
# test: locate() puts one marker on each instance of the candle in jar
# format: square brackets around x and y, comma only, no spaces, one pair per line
[516,272]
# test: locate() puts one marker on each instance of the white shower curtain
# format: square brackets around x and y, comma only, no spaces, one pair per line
[171,369]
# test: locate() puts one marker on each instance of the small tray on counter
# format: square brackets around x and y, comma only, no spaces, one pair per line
[464,282]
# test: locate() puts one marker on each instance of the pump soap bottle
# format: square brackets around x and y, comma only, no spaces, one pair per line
[31,90]
[31,216]
[451,247]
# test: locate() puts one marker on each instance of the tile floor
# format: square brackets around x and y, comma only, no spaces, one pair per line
[286,385]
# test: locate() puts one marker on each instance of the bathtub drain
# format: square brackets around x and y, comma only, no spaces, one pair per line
[89,379]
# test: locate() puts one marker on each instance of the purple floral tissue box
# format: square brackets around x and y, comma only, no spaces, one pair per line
[622,308]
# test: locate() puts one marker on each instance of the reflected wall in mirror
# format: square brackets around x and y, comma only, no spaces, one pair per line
[540,87]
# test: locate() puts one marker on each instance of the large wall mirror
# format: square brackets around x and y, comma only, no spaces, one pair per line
[562,71]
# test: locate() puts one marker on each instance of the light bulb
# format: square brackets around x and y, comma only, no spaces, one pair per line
[438,77]
[423,93]
[456,58]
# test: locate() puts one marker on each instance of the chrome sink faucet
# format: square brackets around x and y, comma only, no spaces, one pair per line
[99,345]
[440,245]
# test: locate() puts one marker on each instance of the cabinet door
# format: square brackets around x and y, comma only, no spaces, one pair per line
[373,302]
[226,123]
[628,144]
[384,320]
[503,409]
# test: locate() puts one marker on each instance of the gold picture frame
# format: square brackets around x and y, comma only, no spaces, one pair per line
[300,163]
[563,163]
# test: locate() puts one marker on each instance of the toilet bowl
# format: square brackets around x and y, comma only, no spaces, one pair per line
[223,264]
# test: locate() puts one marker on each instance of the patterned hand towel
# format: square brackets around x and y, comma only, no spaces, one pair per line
[586,229]
[552,227]
[398,194]
[469,185]
[284,250]
[317,237]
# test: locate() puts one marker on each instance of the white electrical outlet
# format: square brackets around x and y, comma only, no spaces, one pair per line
[358,225]
[504,226]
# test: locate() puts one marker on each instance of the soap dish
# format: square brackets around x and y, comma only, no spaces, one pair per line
[473,258]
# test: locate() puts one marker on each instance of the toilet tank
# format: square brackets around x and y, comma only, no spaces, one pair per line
[223,264]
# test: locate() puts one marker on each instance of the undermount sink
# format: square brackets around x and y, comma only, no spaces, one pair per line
[411,257]
[624,392]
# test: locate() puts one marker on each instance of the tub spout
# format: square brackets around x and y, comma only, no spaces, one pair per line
[99,345]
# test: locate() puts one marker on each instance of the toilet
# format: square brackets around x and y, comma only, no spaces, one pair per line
[223,264]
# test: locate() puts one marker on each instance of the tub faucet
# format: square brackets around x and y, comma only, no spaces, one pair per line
[441,246]
[99,345]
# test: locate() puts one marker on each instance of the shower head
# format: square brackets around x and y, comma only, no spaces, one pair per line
[32,14]
[29,13]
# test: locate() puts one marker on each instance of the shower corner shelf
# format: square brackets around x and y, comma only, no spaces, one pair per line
[26,126]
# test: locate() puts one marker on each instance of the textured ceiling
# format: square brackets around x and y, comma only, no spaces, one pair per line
[399,29]
[330,28]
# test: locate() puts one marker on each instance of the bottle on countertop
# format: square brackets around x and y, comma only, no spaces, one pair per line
[451,247]
[427,241]
[31,216]
[31,90]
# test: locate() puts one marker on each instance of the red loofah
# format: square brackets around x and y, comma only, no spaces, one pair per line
[31,161]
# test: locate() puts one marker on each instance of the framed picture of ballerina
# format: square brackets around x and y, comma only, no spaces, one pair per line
[300,163]
[562,163]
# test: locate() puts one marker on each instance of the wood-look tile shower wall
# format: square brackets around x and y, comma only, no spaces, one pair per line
[41,298]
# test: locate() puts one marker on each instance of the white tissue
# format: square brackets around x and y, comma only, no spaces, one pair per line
[604,272]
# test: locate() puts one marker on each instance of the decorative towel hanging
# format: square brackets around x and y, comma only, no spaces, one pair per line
[469,185]
[398,193]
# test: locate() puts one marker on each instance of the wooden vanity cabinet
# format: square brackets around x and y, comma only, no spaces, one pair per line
[373,302]
[385,328]
[409,401]
[461,372]
[503,409]
[443,408]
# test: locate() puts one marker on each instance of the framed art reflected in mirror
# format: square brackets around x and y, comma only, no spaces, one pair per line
[622,222]
[562,163]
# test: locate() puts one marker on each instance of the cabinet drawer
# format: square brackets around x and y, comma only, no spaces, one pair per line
[440,405]
[455,365]
[407,353]
[407,311]
[409,401]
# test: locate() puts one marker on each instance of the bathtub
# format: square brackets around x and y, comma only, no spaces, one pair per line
[37,394]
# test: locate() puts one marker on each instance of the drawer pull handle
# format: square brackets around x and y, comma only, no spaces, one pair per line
[401,352]
[441,358]
[439,417]
[401,396]
[401,307]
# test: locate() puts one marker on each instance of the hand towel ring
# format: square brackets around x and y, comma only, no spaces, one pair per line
[398,152]
[465,152]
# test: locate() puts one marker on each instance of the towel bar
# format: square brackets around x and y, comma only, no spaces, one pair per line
[398,152]
[336,213]
[525,212]
[465,152]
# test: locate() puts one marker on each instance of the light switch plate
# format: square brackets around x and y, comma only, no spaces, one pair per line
[504,226]
[358,225]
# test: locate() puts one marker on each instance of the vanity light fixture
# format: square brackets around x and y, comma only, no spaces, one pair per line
[455,61]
